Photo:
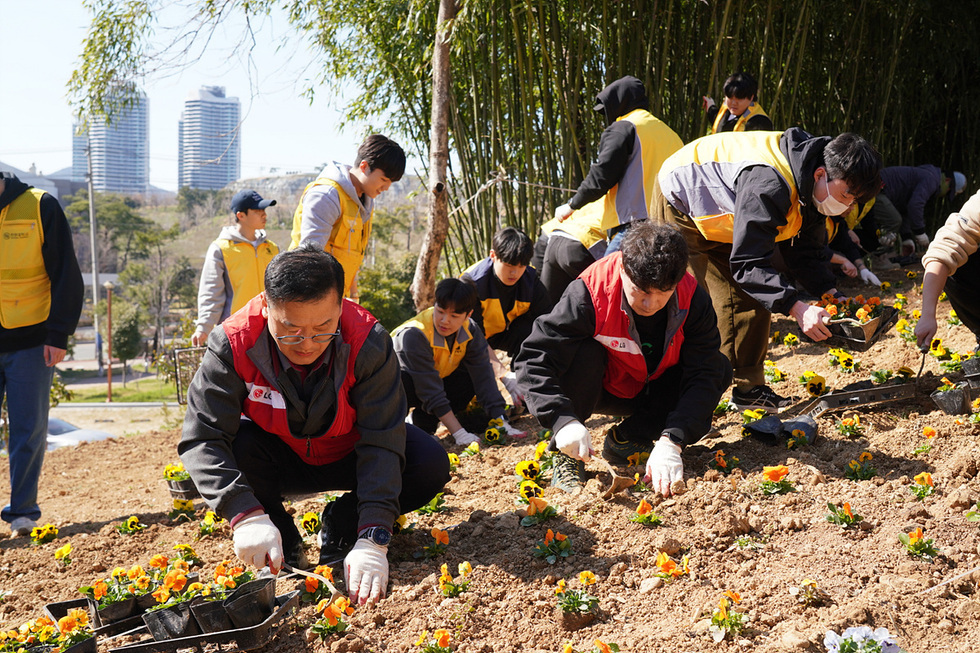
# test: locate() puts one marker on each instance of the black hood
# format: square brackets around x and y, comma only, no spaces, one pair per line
[619,98]
[805,154]
[13,189]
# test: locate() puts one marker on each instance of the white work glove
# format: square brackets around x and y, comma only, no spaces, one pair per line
[366,572]
[464,437]
[199,339]
[510,430]
[563,212]
[707,102]
[510,382]
[258,542]
[574,440]
[664,466]
[888,239]
[908,246]
[922,240]
[869,277]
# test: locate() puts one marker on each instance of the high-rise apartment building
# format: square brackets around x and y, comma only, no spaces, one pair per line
[209,145]
[120,150]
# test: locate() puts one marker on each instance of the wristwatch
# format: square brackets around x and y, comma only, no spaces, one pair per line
[377,534]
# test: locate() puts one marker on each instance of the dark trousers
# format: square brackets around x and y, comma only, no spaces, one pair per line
[963,291]
[510,340]
[564,260]
[646,413]
[273,470]
[459,390]
[540,246]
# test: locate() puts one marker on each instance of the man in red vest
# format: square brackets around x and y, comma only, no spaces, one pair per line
[636,336]
[299,392]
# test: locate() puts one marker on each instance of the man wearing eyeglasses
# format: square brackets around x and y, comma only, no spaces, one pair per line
[300,392]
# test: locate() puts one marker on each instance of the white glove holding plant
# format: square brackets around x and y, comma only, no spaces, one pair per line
[258,542]
[574,440]
[464,437]
[516,396]
[510,430]
[664,466]
[922,240]
[366,572]
[869,277]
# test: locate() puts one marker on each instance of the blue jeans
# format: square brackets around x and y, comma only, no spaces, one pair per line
[26,380]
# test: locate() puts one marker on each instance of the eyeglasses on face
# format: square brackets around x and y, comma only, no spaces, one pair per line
[318,338]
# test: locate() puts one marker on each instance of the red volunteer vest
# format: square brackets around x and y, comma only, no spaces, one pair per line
[266,406]
[626,371]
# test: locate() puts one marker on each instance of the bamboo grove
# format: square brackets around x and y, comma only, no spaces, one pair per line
[525,74]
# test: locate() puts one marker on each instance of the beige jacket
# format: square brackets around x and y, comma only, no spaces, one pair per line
[958,239]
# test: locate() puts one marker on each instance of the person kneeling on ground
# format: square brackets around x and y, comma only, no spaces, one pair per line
[635,336]
[299,392]
[445,363]
[952,263]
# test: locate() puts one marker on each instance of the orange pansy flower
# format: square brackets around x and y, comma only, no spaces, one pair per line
[775,474]
[644,508]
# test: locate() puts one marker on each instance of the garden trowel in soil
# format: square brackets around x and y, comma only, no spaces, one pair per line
[617,483]
[334,592]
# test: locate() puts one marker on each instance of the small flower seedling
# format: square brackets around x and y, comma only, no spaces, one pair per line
[638,484]
[861,469]
[453,462]
[850,427]
[311,523]
[749,416]
[974,514]
[916,545]
[790,340]
[860,639]
[544,435]
[725,622]
[555,545]
[187,553]
[797,438]
[313,590]
[725,406]
[815,384]
[772,373]
[668,569]
[905,329]
[183,510]
[402,525]
[922,487]
[454,587]
[44,534]
[332,616]
[723,464]
[645,515]
[209,524]
[440,540]
[63,555]
[638,458]
[881,376]
[473,449]
[938,349]
[809,594]
[843,516]
[749,542]
[842,359]
[574,600]
[438,504]
[538,510]
[130,526]
[176,472]
[529,489]
[946,386]
[438,644]
[774,481]
[954,319]
[493,435]
[527,470]
[925,448]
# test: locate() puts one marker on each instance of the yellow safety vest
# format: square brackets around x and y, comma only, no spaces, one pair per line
[753,111]
[630,198]
[349,238]
[494,320]
[25,289]
[852,217]
[714,217]
[446,359]
[246,268]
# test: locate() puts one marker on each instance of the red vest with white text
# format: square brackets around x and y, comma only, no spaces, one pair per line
[626,369]
[266,406]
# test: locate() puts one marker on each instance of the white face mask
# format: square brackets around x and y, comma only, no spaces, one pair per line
[831,205]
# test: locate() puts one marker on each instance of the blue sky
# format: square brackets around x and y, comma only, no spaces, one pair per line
[281,129]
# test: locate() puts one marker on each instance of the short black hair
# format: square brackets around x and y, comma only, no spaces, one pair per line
[512,246]
[455,296]
[857,162]
[654,255]
[382,152]
[304,274]
[742,86]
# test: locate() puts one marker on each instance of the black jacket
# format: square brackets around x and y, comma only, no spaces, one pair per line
[616,143]
[67,287]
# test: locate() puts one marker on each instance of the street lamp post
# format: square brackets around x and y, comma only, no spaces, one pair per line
[108,289]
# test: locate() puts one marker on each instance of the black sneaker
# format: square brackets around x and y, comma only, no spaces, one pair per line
[759,397]
[567,473]
[617,449]
[336,539]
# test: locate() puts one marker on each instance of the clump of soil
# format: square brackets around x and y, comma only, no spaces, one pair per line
[735,537]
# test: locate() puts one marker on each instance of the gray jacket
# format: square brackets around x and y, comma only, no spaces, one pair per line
[214,412]
[214,294]
[321,205]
